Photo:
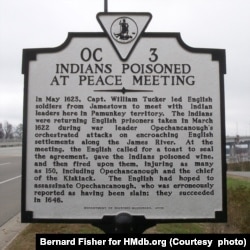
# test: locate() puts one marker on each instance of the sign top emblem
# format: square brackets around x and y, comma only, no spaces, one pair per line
[124,30]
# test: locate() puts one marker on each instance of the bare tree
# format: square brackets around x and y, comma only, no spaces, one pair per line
[8,130]
[19,131]
[1,131]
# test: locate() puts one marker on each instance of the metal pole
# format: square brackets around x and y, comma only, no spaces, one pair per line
[105,5]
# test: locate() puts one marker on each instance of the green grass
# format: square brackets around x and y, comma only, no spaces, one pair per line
[234,183]
[239,203]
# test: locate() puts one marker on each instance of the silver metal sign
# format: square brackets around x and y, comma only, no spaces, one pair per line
[124,122]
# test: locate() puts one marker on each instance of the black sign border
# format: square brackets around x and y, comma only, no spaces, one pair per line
[31,54]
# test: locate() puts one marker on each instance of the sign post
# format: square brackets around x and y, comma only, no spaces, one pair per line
[105,5]
[124,129]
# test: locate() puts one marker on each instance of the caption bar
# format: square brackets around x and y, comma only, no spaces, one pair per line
[78,241]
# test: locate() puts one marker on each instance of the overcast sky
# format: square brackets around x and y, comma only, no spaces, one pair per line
[221,24]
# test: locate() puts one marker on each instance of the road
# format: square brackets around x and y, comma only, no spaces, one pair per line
[10,182]
[241,174]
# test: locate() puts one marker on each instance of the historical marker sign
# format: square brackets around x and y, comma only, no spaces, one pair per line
[123,122]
